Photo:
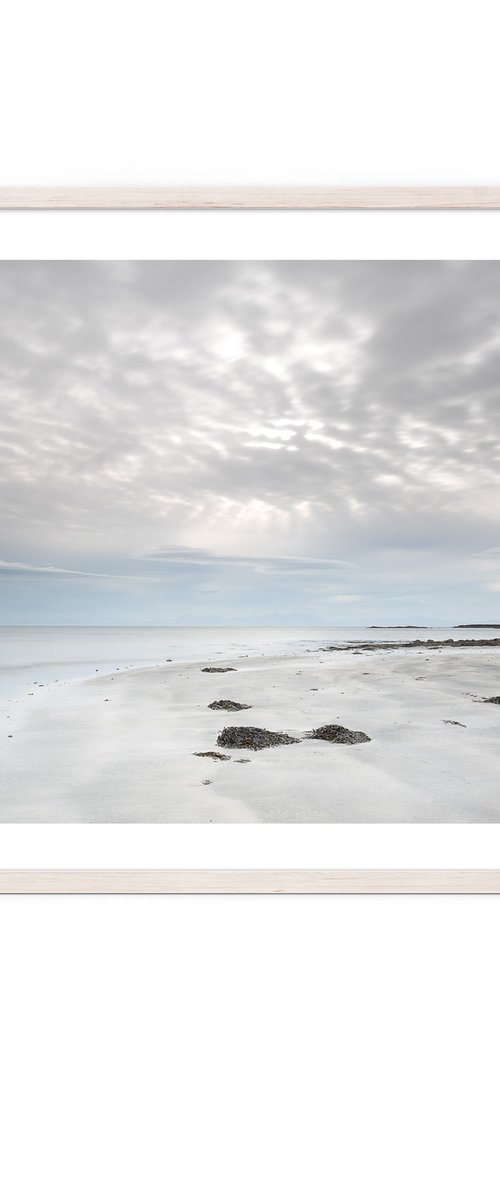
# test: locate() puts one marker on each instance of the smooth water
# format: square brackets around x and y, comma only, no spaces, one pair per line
[33,656]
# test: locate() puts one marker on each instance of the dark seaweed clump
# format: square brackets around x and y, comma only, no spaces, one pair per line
[339,733]
[249,737]
[212,754]
[217,670]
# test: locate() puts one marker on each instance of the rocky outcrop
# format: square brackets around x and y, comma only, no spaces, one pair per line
[429,644]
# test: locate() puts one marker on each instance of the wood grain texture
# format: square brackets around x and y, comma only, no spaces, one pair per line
[249,197]
[249,882]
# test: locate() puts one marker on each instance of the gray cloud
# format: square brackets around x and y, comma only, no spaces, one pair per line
[253,429]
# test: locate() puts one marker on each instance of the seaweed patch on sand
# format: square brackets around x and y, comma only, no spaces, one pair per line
[338,733]
[249,737]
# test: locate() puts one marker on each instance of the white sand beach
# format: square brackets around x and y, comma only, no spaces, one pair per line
[122,747]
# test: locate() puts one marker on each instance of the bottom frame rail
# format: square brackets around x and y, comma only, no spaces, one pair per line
[248,882]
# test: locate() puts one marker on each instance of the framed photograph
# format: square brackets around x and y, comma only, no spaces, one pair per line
[249,560]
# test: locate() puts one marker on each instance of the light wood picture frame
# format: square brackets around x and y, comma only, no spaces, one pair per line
[250,197]
[250,882]
[256,881]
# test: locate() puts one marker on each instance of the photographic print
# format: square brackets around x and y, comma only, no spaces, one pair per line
[249,541]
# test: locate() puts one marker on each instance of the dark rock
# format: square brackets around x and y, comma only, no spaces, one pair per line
[462,726]
[338,733]
[217,670]
[249,737]
[492,700]
[228,705]
[212,754]
[429,644]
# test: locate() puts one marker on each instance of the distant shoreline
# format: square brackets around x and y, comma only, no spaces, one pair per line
[477,625]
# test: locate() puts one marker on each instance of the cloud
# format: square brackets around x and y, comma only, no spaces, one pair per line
[36,569]
[283,419]
[282,564]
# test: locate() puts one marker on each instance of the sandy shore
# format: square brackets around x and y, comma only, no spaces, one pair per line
[123,747]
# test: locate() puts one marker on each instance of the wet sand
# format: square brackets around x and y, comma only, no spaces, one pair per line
[123,747]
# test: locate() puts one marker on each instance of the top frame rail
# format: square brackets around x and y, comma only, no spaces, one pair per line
[249,197]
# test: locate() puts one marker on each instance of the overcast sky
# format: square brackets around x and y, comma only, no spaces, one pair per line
[249,443]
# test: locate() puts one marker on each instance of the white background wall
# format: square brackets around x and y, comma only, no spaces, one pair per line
[283,91]
[235,1048]
[249,1047]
